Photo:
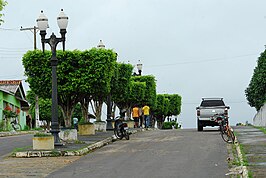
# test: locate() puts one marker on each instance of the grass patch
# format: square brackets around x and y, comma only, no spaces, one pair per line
[245,160]
[42,134]
[263,129]
[25,148]
[235,161]
[250,174]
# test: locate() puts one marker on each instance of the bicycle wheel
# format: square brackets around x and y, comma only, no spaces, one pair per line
[232,136]
[228,136]
[17,127]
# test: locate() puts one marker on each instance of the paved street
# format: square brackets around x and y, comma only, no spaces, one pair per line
[8,144]
[172,153]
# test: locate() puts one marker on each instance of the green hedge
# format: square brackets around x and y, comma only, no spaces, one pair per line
[169,125]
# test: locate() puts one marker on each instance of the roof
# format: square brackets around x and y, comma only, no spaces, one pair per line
[15,88]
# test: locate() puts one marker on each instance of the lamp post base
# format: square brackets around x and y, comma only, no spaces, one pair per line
[56,138]
[109,125]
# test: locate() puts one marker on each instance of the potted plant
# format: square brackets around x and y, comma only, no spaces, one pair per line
[43,141]
[100,126]
[85,128]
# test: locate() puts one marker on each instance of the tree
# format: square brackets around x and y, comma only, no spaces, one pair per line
[44,108]
[137,93]
[150,90]
[120,85]
[255,92]
[38,70]
[2,5]
[80,75]
[175,104]
[159,110]
[96,71]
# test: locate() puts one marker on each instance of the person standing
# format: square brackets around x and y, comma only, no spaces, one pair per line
[135,115]
[75,122]
[140,117]
[146,113]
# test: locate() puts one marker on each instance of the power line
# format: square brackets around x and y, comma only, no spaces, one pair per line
[227,102]
[9,29]
[13,49]
[204,60]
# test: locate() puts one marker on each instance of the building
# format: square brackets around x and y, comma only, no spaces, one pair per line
[12,96]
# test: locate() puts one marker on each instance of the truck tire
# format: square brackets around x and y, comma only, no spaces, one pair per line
[200,126]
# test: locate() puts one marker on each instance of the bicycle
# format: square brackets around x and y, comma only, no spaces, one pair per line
[15,125]
[226,131]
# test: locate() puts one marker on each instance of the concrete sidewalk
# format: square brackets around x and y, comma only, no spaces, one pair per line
[84,145]
[253,145]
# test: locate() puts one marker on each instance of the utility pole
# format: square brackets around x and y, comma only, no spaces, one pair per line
[34,30]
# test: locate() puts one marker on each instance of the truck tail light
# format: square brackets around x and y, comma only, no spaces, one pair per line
[226,112]
[198,112]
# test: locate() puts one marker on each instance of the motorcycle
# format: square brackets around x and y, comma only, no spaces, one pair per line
[121,128]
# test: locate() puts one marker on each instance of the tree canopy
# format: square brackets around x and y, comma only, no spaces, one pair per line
[2,5]
[80,74]
[256,90]
[120,84]
[150,90]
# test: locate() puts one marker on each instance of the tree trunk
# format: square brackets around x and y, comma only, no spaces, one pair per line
[67,104]
[98,110]
[128,114]
[113,110]
[85,108]
[67,114]
[48,125]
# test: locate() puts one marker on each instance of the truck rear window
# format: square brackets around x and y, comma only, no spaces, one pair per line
[208,103]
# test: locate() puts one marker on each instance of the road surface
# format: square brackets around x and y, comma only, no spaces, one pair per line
[160,153]
[8,144]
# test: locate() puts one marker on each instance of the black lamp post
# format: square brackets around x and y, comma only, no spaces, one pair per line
[108,102]
[42,22]
[139,67]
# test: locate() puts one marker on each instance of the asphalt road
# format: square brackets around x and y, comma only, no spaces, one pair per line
[8,144]
[160,153]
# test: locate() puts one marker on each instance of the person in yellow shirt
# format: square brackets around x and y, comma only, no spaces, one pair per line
[146,113]
[135,115]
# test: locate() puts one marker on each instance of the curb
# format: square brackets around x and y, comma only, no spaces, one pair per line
[242,169]
[80,152]
[12,133]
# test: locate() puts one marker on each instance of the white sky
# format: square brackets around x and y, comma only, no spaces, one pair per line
[196,48]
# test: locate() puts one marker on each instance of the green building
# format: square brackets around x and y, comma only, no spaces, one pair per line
[12,97]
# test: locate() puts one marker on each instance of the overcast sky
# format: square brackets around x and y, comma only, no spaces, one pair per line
[196,48]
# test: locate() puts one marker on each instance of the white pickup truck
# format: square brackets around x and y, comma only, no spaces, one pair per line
[207,109]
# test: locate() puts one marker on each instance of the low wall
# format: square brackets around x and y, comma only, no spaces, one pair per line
[100,126]
[260,117]
[68,134]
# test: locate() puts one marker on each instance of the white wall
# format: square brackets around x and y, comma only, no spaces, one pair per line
[260,117]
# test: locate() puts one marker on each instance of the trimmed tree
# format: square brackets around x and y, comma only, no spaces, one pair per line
[175,104]
[150,90]
[2,5]
[38,70]
[97,70]
[159,111]
[255,92]
[120,86]
[80,75]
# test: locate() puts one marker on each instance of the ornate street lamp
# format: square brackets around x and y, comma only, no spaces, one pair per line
[108,100]
[42,22]
[139,67]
